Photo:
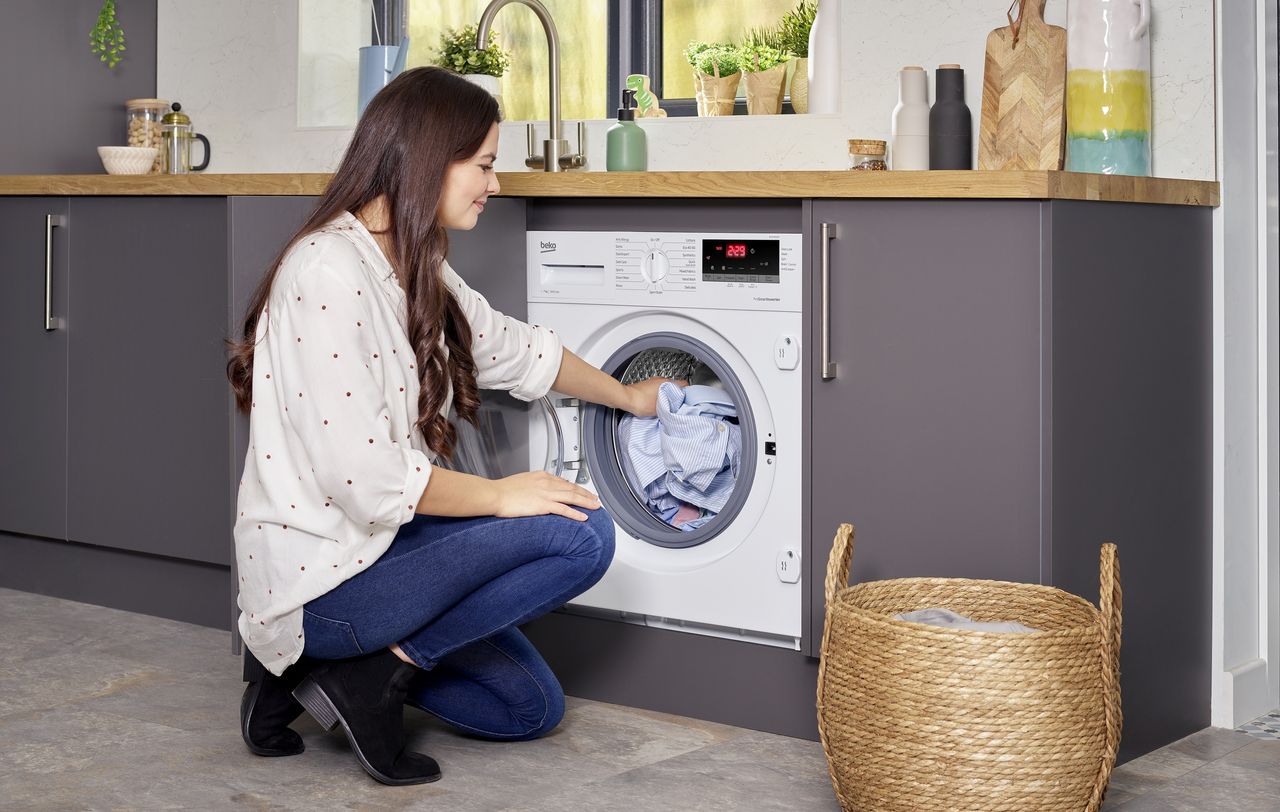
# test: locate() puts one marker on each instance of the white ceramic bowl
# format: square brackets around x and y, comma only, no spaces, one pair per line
[127,160]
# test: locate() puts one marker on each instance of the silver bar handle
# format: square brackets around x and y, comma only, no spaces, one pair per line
[51,221]
[828,366]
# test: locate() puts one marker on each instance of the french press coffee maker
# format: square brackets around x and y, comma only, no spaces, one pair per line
[176,134]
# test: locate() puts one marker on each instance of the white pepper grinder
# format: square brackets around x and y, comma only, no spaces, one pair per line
[910,149]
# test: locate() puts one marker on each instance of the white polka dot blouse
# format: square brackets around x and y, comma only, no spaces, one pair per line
[334,465]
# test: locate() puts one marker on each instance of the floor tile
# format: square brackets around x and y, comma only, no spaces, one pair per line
[1216,786]
[108,710]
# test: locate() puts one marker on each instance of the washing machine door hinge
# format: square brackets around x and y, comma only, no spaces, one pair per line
[569,414]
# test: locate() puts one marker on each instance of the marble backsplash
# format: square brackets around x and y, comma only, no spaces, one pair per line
[234,66]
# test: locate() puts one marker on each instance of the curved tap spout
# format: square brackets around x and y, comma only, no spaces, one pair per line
[553,49]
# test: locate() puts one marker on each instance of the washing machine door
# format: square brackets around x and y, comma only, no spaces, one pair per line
[610,466]
[511,437]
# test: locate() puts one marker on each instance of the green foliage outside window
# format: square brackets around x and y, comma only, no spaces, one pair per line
[723,21]
[583,26]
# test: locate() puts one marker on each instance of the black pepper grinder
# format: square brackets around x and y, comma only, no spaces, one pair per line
[950,124]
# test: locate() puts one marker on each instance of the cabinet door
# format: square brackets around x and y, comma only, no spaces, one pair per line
[928,437]
[259,228]
[149,428]
[33,369]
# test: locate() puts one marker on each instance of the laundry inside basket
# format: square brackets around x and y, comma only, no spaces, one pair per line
[951,620]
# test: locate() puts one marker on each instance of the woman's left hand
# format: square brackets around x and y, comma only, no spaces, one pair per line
[644,395]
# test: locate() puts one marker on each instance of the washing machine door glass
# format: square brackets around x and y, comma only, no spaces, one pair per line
[678,480]
[512,437]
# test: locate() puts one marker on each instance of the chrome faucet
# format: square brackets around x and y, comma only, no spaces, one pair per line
[555,155]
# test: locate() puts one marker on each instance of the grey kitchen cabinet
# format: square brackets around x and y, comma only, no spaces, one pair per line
[148,427]
[1015,383]
[258,227]
[33,367]
[927,436]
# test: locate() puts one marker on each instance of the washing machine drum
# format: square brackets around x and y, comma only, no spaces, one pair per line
[668,355]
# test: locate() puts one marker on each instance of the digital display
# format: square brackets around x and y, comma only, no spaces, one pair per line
[745,261]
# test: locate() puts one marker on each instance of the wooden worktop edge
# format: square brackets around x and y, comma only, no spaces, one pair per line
[1026,185]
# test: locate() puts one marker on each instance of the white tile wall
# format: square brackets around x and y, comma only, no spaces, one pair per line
[234,66]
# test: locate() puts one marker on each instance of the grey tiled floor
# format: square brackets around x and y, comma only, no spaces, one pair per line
[102,709]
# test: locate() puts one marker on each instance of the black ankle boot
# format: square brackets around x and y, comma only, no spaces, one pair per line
[267,709]
[366,696]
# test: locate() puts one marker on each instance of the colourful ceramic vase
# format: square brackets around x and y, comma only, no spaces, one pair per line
[1109,87]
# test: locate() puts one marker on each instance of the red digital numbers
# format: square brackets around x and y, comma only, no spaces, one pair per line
[735,250]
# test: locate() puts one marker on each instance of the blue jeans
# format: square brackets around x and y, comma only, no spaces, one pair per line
[451,592]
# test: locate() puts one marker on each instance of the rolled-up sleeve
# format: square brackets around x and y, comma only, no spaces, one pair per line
[509,354]
[335,403]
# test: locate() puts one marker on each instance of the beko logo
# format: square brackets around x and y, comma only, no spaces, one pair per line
[546,246]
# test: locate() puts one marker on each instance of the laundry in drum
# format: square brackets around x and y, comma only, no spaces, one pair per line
[684,462]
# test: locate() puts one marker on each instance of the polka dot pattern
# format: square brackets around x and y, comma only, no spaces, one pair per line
[329,409]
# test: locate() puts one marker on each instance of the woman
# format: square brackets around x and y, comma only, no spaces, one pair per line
[369,576]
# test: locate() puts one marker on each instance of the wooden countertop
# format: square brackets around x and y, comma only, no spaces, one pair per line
[1031,185]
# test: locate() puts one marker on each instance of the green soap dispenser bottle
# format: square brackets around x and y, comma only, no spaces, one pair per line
[626,147]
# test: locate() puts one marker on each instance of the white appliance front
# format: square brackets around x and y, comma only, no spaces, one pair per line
[741,577]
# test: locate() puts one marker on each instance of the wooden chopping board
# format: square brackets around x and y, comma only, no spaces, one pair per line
[1023,116]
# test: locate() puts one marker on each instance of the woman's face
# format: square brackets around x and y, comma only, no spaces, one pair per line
[467,184]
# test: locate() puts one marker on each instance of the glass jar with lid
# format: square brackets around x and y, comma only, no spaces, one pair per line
[866,154]
[143,120]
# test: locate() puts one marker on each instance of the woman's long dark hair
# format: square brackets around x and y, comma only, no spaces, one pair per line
[419,124]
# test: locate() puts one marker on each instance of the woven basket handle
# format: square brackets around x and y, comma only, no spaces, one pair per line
[1110,606]
[838,563]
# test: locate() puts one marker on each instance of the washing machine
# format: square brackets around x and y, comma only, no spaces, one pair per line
[723,311]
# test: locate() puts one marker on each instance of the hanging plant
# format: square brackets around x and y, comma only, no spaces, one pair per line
[107,37]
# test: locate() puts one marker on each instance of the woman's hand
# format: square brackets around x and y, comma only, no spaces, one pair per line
[538,493]
[643,395]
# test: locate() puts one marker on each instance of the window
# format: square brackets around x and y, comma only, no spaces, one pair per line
[684,21]
[583,28]
[649,37]
[601,42]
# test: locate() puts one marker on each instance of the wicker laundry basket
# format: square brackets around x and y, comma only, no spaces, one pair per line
[916,717]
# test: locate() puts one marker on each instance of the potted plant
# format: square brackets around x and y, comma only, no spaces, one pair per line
[107,37]
[458,52]
[716,73]
[794,31]
[764,68]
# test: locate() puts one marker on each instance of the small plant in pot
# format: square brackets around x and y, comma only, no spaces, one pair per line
[794,31]
[458,52]
[716,72]
[764,67]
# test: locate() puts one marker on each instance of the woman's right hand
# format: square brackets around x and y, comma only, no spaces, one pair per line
[538,493]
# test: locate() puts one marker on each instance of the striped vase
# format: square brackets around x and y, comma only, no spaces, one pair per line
[1109,87]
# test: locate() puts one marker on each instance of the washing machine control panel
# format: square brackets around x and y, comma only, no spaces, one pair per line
[742,271]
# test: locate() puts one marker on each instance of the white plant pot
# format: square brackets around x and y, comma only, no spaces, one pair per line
[488,83]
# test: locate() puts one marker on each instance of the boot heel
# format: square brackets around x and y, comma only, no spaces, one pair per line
[317,704]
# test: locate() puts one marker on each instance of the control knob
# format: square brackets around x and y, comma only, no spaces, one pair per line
[654,266]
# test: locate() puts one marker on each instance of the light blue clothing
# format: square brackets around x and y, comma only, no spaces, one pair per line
[690,453]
